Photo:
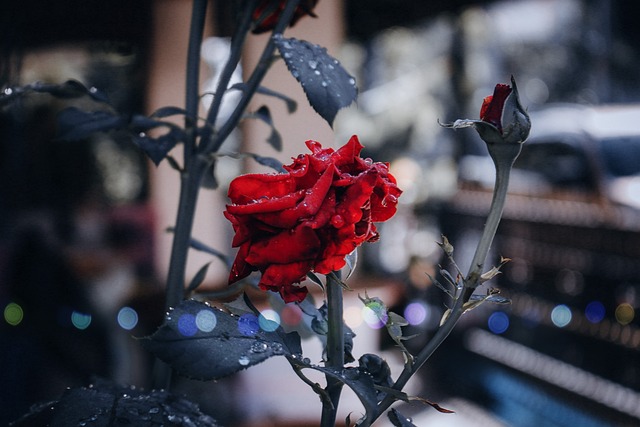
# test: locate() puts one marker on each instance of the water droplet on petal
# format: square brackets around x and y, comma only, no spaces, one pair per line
[352,81]
[313,64]
[243,360]
[337,221]
[316,72]
[306,360]
[324,84]
[8,91]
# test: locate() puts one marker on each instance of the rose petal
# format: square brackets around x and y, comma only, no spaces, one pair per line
[299,244]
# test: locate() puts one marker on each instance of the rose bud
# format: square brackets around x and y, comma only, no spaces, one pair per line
[502,118]
[266,15]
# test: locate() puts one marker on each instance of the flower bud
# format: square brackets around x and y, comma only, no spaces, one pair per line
[502,118]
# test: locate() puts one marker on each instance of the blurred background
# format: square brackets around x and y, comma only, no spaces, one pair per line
[84,252]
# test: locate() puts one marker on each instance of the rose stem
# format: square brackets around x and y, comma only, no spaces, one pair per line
[189,180]
[213,144]
[335,348]
[503,156]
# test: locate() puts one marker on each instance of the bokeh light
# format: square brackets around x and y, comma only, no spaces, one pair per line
[375,320]
[561,315]
[127,318]
[269,320]
[187,325]
[416,312]
[595,312]
[248,324]
[291,315]
[353,316]
[206,320]
[625,313]
[80,320]
[13,314]
[498,322]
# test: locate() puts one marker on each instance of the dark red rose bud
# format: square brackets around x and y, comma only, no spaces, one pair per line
[309,218]
[268,12]
[502,118]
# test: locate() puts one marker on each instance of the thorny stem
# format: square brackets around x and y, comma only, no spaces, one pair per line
[503,156]
[335,348]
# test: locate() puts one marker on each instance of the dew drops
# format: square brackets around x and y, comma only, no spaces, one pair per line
[259,347]
[352,81]
[248,324]
[324,84]
[316,72]
[277,348]
[243,360]
[337,221]
[313,64]
[8,91]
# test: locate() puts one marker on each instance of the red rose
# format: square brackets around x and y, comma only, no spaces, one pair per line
[309,218]
[267,13]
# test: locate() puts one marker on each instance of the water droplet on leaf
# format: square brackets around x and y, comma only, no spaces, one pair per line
[259,347]
[277,348]
[243,360]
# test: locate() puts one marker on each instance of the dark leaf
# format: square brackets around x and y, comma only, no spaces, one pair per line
[239,306]
[75,124]
[275,140]
[325,82]
[209,180]
[198,278]
[270,162]
[158,148]
[203,247]
[173,163]
[105,404]
[399,420]
[70,89]
[292,105]
[379,370]
[142,123]
[360,382]
[168,111]
[206,343]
